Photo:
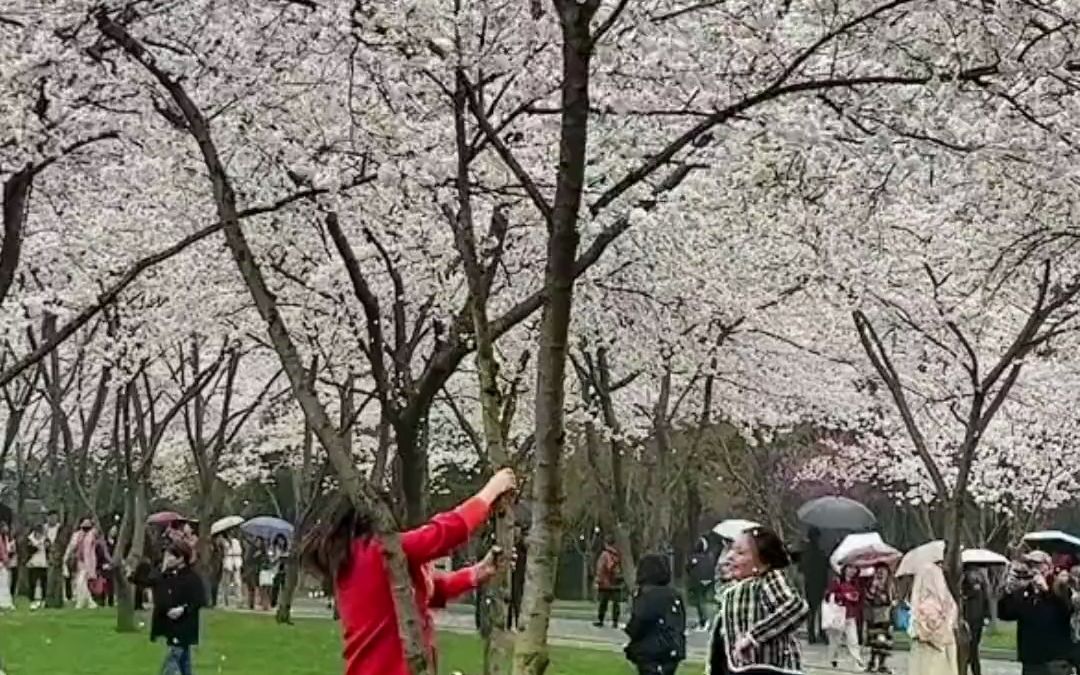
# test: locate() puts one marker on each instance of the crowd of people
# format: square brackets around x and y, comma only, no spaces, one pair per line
[753,628]
[855,611]
[243,571]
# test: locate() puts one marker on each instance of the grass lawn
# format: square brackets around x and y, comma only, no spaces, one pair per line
[85,643]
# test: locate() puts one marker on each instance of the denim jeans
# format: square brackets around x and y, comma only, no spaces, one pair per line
[177,661]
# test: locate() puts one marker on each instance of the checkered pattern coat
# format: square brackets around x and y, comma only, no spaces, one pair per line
[767,609]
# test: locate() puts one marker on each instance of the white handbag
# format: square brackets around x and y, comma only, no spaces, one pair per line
[833,616]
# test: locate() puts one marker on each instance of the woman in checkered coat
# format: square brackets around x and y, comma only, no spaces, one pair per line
[754,632]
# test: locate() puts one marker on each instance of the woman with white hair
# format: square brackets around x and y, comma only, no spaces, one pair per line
[933,624]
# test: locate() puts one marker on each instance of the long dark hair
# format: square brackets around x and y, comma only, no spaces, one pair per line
[327,549]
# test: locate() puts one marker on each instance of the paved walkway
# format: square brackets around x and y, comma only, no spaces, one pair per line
[581,633]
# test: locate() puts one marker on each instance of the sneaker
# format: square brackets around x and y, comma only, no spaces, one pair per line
[598,624]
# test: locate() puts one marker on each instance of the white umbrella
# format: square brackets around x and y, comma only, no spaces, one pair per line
[982,556]
[226,523]
[934,552]
[919,557]
[864,549]
[733,527]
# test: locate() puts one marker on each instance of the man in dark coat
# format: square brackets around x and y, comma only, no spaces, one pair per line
[1041,606]
[700,568]
[976,590]
[815,570]
[657,626]
[179,594]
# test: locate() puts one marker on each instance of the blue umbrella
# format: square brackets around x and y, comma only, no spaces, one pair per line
[267,527]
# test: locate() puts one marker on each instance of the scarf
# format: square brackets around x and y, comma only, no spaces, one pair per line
[934,611]
[86,553]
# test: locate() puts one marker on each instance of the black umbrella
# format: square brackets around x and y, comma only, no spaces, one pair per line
[837,513]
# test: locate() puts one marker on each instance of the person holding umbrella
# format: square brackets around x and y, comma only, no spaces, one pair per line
[933,624]
[879,605]
[976,590]
[846,592]
[814,564]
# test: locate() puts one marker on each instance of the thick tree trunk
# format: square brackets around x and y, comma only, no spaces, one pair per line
[288,591]
[498,645]
[545,539]
[54,586]
[206,558]
[413,464]
[132,530]
[954,528]
[16,190]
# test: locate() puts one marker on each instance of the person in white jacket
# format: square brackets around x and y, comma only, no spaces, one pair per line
[37,566]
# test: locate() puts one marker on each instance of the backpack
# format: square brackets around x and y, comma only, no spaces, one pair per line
[665,641]
[673,629]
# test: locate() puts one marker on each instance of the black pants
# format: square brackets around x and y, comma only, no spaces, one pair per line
[513,612]
[275,590]
[609,595]
[38,578]
[1052,668]
[813,624]
[973,648]
[110,590]
[657,668]
[699,596]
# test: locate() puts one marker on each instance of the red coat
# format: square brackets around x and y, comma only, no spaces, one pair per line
[368,614]
[608,570]
[848,594]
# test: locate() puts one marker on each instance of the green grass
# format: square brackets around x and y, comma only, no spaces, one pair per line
[85,643]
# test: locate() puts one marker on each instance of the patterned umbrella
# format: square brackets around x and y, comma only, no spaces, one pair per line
[164,518]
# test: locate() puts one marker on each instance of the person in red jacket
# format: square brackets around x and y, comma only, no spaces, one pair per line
[609,583]
[847,592]
[345,549]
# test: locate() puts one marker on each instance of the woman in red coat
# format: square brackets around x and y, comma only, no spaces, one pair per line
[846,592]
[344,549]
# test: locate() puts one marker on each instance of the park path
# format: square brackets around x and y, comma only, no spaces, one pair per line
[579,632]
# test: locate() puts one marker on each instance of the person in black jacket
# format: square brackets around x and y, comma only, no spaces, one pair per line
[976,590]
[657,626]
[179,594]
[814,563]
[1041,607]
[700,567]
